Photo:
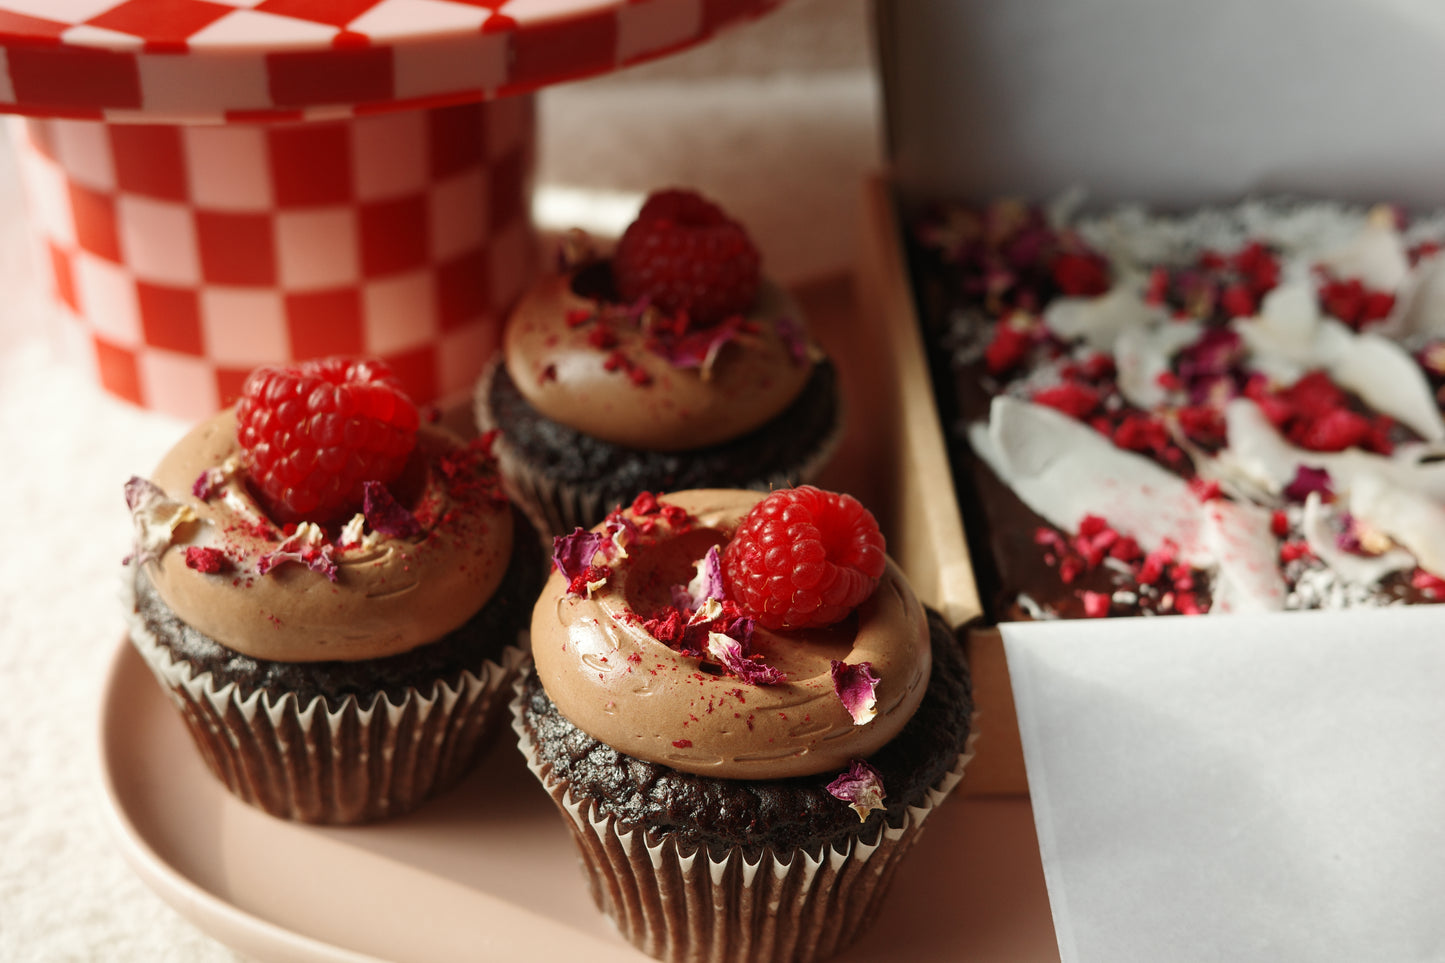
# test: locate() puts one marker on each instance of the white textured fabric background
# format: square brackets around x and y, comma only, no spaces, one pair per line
[776,120]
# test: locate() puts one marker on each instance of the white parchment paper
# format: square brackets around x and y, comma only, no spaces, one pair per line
[1239,788]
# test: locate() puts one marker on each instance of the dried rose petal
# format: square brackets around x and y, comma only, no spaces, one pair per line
[209,483]
[156,517]
[790,332]
[730,655]
[707,583]
[855,686]
[619,531]
[306,546]
[1308,481]
[696,349]
[573,554]
[385,514]
[860,787]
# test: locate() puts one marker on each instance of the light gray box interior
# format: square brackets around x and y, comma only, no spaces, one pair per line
[1168,104]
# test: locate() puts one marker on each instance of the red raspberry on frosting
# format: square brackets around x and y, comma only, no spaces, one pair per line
[313,434]
[803,557]
[684,254]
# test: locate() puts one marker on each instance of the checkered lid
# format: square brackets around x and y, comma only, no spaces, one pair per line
[243,60]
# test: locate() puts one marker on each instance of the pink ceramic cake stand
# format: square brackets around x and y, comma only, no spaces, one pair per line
[217,184]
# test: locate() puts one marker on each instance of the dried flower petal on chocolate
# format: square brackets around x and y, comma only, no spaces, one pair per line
[572,554]
[790,332]
[861,787]
[385,514]
[707,583]
[697,348]
[619,531]
[209,483]
[1309,480]
[730,655]
[156,517]
[306,546]
[856,686]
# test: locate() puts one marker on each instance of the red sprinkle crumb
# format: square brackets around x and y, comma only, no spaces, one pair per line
[1279,524]
[682,743]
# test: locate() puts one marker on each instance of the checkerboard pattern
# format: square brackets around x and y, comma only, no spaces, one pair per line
[183,256]
[227,60]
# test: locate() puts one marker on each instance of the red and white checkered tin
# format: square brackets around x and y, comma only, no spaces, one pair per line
[184,256]
[217,184]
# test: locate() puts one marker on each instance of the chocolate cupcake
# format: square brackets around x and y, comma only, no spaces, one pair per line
[742,769]
[618,376]
[332,594]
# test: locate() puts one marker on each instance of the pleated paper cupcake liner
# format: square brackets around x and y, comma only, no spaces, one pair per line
[691,907]
[557,507]
[350,764]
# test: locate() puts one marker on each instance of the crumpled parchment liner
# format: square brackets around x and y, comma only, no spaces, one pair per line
[353,764]
[691,908]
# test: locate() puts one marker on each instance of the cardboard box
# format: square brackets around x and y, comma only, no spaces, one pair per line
[925,527]
[1130,101]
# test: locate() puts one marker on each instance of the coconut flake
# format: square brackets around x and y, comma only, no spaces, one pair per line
[1411,519]
[1376,256]
[1352,567]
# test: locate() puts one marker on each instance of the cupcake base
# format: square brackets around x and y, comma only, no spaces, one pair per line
[684,904]
[343,742]
[566,480]
[693,869]
[350,764]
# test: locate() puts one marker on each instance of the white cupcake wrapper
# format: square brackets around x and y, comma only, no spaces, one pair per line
[350,764]
[558,508]
[694,908]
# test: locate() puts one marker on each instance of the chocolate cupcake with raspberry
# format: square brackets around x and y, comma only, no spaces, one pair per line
[331,592]
[673,364]
[744,715]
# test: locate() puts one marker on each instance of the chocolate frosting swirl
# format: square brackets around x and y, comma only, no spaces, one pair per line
[391,594]
[565,375]
[613,679]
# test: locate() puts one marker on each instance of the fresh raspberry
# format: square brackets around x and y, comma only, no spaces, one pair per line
[803,557]
[685,255]
[314,433]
